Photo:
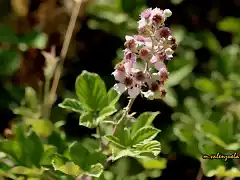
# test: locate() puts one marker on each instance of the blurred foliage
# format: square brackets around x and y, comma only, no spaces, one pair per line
[206,105]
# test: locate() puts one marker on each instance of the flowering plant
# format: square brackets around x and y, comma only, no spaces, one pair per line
[119,134]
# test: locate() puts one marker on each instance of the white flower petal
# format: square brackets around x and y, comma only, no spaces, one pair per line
[120,88]
[118,75]
[128,37]
[167,13]
[142,23]
[133,92]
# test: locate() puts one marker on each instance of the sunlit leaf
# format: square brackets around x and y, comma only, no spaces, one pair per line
[86,119]
[154,163]
[114,140]
[229,24]
[206,85]
[71,104]
[96,170]
[20,170]
[145,134]
[42,127]
[144,119]
[105,112]
[91,91]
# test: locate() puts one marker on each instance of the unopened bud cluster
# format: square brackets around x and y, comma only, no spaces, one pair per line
[143,70]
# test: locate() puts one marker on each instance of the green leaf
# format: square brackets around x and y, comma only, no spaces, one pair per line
[21,170]
[70,169]
[71,104]
[113,97]
[91,91]
[6,174]
[35,40]
[117,154]
[209,166]
[78,153]
[11,148]
[127,137]
[31,98]
[153,147]
[192,107]
[48,155]
[115,141]
[206,85]
[96,170]
[34,150]
[105,112]
[144,119]
[211,42]
[58,161]
[8,35]
[233,172]
[86,119]
[171,98]
[56,140]
[229,24]
[177,76]
[9,62]
[144,134]
[150,163]
[209,127]
[41,127]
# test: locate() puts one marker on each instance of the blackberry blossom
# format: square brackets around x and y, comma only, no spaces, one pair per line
[143,69]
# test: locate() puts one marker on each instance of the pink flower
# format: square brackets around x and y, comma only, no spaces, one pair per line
[157,16]
[146,13]
[153,45]
[163,73]
[129,56]
[119,75]
[158,65]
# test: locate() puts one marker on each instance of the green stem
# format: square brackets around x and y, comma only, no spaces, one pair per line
[45,112]
[101,134]
[126,111]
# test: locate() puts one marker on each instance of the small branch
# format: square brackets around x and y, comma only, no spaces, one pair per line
[63,53]
[45,98]
[127,109]
[200,174]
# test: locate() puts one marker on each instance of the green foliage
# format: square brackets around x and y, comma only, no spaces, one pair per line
[206,109]
[95,104]
[9,62]
[136,141]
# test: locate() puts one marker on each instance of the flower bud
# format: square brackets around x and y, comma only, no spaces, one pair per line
[169,51]
[157,16]
[144,52]
[163,74]
[164,32]
[167,13]
[130,44]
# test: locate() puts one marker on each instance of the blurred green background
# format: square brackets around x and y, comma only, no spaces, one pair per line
[201,112]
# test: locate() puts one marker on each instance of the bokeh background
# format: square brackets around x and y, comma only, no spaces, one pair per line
[201,112]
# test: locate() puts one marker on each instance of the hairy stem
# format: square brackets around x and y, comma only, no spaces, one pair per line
[63,53]
[126,111]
